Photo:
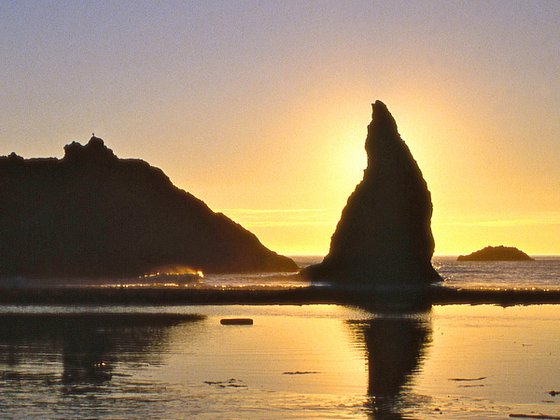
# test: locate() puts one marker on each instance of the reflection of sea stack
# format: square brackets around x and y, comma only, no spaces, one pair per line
[384,233]
[395,348]
[92,214]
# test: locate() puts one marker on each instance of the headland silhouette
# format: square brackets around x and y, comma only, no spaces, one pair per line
[91,214]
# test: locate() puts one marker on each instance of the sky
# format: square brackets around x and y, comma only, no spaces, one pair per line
[260,108]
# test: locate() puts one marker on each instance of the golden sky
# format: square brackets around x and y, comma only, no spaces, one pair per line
[260,108]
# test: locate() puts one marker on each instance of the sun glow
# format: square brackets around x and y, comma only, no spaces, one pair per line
[268,108]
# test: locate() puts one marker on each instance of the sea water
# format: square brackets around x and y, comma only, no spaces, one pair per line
[542,273]
[319,361]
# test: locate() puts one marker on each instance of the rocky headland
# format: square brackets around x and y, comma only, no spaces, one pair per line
[91,214]
[496,253]
[384,234]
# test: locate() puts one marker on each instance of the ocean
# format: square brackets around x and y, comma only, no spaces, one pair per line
[295,361]
[543,273]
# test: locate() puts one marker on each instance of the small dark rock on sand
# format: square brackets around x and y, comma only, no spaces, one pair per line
[236,321]
[298,372]
[468,379]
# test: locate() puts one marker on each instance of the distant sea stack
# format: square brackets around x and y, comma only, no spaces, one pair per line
[92,214]
[384,234]
[496,253]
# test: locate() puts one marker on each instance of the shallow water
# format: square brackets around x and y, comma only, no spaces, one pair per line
[323,361]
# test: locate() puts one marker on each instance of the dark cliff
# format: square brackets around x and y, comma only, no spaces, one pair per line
[92,214]
[384,234]
[496,253]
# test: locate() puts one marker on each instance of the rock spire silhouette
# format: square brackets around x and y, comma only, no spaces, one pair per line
[384,234]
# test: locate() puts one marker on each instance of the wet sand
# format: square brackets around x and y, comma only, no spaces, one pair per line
[435,295]
[296,361]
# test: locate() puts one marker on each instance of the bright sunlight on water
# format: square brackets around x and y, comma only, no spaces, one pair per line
[322,361]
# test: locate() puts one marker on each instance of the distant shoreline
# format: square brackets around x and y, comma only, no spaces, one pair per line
[436,295]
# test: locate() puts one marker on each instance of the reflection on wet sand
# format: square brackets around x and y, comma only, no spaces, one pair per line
[395,347]
[89,345]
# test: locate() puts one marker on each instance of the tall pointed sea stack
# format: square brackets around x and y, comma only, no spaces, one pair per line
[384,234]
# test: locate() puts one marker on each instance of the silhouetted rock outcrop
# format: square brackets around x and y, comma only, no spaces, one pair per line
[384,234]
[92,214]
[496,253]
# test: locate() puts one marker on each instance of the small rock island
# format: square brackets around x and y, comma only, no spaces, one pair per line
[91,214]
[496,253]
[384,234]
